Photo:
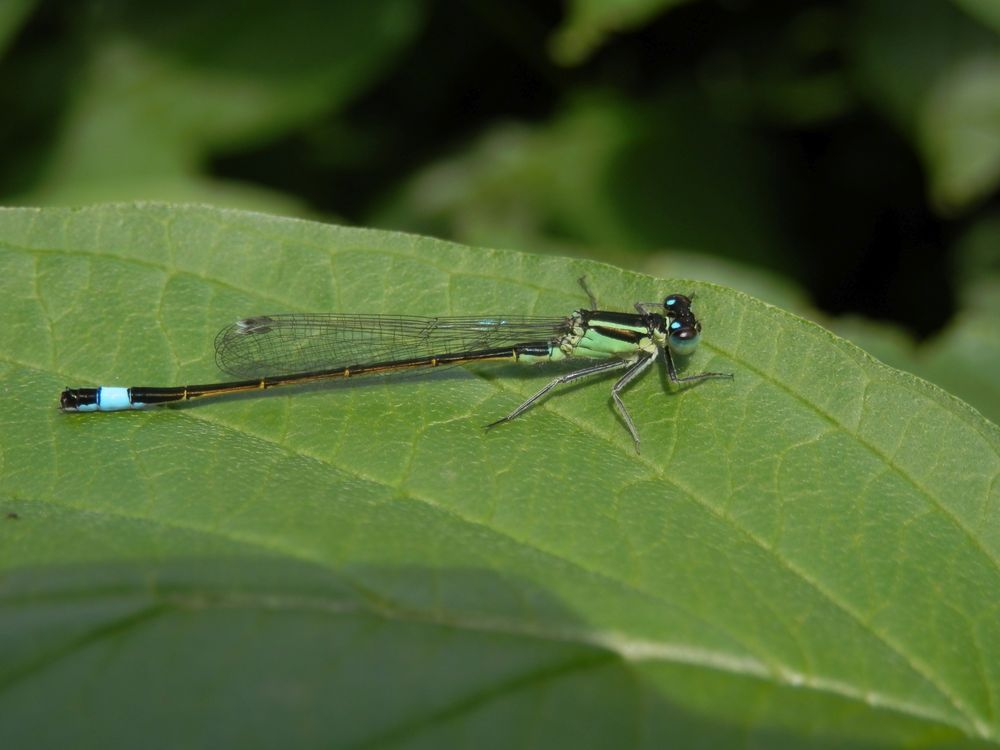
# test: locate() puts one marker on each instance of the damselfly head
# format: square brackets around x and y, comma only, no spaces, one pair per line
[683,330]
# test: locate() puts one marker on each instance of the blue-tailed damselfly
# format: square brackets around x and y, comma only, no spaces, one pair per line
[276,350]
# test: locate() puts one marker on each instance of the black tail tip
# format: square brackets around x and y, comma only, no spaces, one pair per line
[68,400]
[75,399]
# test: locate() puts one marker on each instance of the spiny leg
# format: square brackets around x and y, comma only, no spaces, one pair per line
[672,372]
[615,364]
[625,379]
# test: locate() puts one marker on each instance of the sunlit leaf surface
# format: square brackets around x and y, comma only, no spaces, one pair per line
[807,554]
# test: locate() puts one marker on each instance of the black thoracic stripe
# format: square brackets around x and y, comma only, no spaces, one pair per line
[621,318]
[621,334]
[607,324]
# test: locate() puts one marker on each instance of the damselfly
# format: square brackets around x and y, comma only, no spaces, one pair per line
[267,351]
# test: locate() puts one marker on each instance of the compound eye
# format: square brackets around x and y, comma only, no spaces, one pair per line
[682,338]
[676,304]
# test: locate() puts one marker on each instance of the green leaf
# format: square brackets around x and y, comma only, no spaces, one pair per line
[163,88]
[588,22]
[766,285]
[13,15]
[961,132]
[962,358]
[987,11]
[934,71]
[594,176]
[809,554]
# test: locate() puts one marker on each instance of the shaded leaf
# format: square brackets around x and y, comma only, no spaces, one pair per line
[606,174]
[161,89]
[934,72]
[961,132]
[13,14]
[588,22]
[986,11]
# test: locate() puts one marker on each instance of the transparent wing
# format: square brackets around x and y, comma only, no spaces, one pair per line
[288,344]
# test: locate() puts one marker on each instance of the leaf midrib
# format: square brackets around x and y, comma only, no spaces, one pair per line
[775,669]
[169,271]
[918,667]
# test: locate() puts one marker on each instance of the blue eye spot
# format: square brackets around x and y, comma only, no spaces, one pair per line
[675,325]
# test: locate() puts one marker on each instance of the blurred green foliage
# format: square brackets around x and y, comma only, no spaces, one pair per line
[847,152]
